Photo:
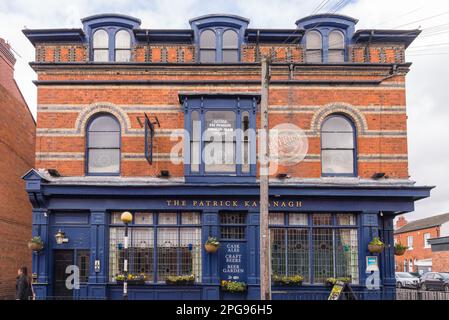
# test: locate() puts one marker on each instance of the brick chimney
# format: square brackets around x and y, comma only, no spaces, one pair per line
[401,222]
[7,62]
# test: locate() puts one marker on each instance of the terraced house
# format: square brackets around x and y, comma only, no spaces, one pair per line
[126,121]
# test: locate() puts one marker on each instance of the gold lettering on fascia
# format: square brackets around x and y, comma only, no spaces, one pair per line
[232,203]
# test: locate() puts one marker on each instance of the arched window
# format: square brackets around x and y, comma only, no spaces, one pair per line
[101,46]
[208,46]
[336,47]
[122,46]
[337,146]
[230,46]
[103,145]
[314,47]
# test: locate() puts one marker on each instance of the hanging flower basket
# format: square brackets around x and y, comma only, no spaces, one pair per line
[211,245]
[36,244]
[376,246]
[399,249]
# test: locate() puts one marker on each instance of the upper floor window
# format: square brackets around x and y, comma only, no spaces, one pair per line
[338,154]
[230,46]
[219,47]
[410,242]
[336,47]
[208,46]
[119,50]
[103,145]
[122,46]
[314,47]
[426,240]
[100,46]
[221,137]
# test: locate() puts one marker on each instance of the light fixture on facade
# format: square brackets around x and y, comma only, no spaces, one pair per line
[60,237]
[164,174]
[378,175]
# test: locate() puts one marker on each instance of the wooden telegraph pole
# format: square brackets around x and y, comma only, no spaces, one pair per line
[265,276]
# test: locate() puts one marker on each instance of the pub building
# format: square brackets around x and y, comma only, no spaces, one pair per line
[162,123]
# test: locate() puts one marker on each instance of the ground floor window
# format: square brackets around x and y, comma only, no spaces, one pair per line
[161,244]
[315,246]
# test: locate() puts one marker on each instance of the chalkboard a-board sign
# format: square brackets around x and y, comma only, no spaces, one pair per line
[340,287]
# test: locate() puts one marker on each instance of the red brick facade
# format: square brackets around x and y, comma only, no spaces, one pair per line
[17,139]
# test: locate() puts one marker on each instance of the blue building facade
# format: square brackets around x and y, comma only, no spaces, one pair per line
[84,212]
[323,212]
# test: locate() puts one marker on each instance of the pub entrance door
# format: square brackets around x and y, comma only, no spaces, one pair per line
[233,260]
[62,259]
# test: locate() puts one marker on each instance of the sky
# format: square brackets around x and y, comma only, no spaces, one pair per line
[427,86]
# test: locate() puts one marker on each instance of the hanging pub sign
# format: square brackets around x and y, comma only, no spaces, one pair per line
[149,137]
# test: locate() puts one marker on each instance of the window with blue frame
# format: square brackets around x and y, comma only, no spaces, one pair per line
[333,51]
[314,47]
[100,46]
[103,145]
[338,146]
[315,246]
[104,51]
[221,136]
[218,45]
[162,244]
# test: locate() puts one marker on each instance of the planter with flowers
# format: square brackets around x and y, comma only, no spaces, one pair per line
[211,245]
[332,281]
[376,245]
[233,286]
[290,281]
[36,244]
[399,249]
[133,279]
[186,280]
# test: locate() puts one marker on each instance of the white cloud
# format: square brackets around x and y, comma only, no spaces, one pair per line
[427,92]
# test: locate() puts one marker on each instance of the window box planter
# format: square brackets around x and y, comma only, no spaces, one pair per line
[36,244]
[133,280]
[233,286]
[139,282]
[180,280]
[329,282]
[287,281]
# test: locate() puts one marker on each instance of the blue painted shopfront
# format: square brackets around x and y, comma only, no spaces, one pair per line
[83,212]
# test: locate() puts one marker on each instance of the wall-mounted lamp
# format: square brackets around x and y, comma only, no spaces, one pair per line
[60,237]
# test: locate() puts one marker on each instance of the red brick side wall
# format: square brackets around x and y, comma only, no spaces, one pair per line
[17,132]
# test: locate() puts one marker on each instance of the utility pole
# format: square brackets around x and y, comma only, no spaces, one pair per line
[265,263]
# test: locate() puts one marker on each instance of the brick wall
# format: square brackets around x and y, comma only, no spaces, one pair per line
[440,261]
[17,134]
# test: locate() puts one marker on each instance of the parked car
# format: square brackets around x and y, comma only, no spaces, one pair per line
[406,280]
[435,281]
[416,274]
